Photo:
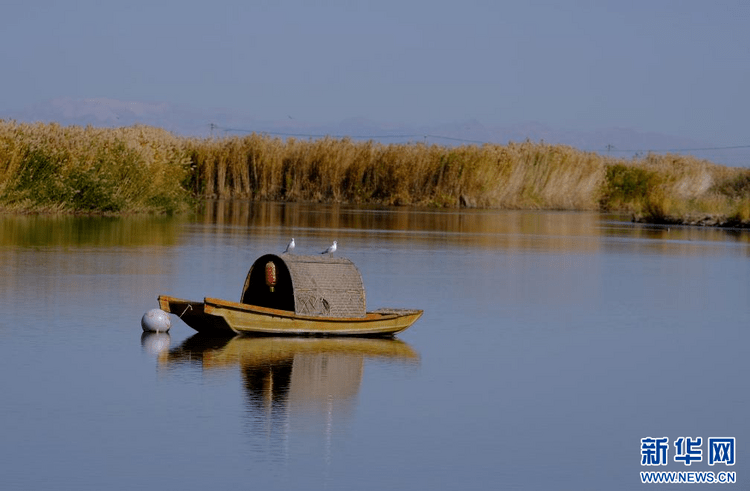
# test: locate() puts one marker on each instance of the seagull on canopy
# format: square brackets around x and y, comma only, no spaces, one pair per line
[331,249]
[290,246]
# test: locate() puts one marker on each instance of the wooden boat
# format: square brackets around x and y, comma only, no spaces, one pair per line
[294,295]
[218,316]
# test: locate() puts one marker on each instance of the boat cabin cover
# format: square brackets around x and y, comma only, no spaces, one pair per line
[319,285]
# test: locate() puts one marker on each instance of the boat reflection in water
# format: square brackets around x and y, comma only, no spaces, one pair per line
[293,384]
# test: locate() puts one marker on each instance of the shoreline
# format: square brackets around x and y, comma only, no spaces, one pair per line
[700,220]
[705,220]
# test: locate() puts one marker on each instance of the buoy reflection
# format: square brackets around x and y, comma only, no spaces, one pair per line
[155,342]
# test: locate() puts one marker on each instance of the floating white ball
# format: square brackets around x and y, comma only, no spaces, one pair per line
[156,320]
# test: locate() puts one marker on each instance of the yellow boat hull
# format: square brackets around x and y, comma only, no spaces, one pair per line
[218,316]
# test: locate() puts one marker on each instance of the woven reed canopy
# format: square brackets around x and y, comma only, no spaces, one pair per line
[306,285]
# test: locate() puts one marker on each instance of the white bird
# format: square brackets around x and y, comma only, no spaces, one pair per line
[331,249]
[290,246]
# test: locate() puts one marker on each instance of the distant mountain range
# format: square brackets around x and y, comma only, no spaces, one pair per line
[182,120]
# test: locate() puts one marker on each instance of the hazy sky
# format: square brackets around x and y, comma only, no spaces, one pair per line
[679,67]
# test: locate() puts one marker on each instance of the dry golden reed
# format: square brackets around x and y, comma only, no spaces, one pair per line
[524,175]
[47,167]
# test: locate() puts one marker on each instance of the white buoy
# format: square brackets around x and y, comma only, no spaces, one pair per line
[156,320]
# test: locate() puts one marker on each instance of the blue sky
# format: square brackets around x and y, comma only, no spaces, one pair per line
[678,67]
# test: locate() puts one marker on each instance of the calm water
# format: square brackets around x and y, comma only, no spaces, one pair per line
[550,345]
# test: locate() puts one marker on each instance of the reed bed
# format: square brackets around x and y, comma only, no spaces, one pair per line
[678,189]
[51,168]
[47,167]
[524,175]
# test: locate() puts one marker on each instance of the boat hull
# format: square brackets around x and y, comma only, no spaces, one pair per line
[218,316]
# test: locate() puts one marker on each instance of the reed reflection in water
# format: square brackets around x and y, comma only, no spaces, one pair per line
[581,232]
[93,231]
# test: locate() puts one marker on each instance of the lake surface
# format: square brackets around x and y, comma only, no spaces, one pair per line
[551,344]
